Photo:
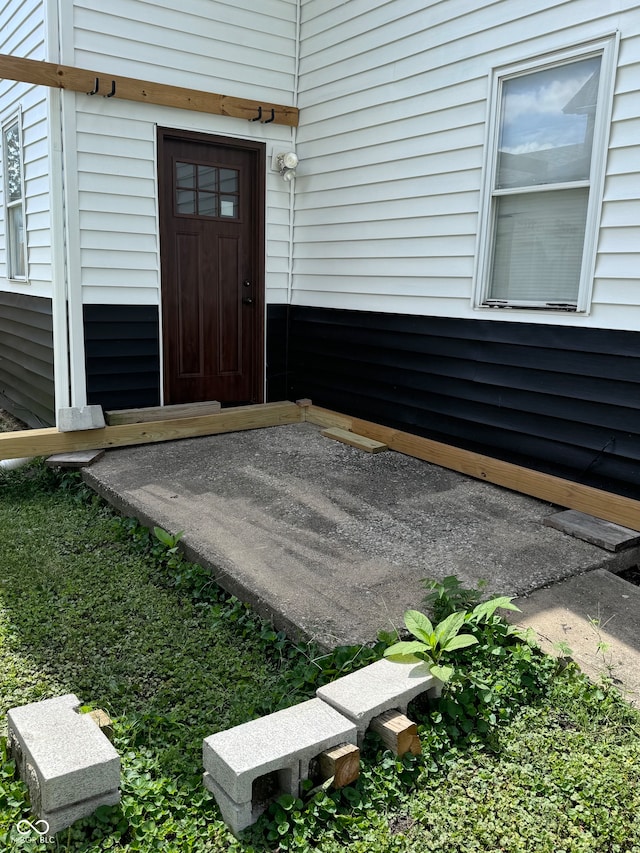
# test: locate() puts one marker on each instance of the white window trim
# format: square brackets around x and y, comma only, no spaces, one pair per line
[14,118]
[605,46]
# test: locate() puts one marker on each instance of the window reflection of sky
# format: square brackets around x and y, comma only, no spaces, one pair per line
[533,108]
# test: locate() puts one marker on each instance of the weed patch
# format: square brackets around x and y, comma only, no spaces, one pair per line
[519,754]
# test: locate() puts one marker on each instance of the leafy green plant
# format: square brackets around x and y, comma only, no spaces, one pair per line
[170,541]
[448,595]
[432,644]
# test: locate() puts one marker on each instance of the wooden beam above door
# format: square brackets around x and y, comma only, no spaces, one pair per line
[143,91]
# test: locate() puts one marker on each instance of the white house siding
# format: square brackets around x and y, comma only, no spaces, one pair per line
[393,99]
[229,48]
[22,34]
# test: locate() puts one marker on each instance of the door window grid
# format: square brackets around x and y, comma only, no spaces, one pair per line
[209,191]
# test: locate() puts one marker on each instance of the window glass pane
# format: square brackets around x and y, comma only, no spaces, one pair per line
[185,175]
[229,206]
[207,177]
[185,201]
[228,181]
[13,161]
[546,125]
[16,242]
[207,204]
[538,246]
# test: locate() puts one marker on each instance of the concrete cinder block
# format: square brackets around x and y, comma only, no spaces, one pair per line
[67,763]
[237,816]
[62,818]
[284,743]
[379,687]
[75,418]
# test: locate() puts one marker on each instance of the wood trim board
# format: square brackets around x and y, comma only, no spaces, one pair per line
[43,442]
[143,91]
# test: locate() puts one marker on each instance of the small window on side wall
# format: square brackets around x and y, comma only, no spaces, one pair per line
[12,162]
[546,152]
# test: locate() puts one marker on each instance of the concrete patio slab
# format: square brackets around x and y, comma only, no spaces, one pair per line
[332,543]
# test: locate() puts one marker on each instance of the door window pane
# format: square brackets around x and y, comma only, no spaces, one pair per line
[207,204]
[228,181]
[186,201]
[185,175]
[229,206]
[207,176]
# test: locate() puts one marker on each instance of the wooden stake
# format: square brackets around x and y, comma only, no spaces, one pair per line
[342,762]
[399,734]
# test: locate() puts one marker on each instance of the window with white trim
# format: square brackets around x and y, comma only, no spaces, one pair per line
[14,199]
[543,181]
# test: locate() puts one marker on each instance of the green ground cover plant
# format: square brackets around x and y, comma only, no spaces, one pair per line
[520,754]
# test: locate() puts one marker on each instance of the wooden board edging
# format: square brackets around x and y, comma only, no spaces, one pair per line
[44,442]
[545,487]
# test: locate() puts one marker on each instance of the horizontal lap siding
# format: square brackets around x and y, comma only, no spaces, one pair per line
[277,352]
[229,48]
[393,99]
[26,358]
[233,48]
[116,184]
[562,400]
[22,34]
[122,355]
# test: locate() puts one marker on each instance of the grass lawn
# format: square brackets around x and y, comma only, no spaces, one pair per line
[528,756]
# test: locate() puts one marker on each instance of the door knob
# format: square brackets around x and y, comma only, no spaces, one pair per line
[247,300]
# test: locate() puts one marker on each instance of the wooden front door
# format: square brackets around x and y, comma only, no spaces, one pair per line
[211,199]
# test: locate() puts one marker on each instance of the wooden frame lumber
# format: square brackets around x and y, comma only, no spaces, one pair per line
[161,413]
[342,763]
[398,733]
[43,442]
[361,442]
[546,487]
[143,91]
